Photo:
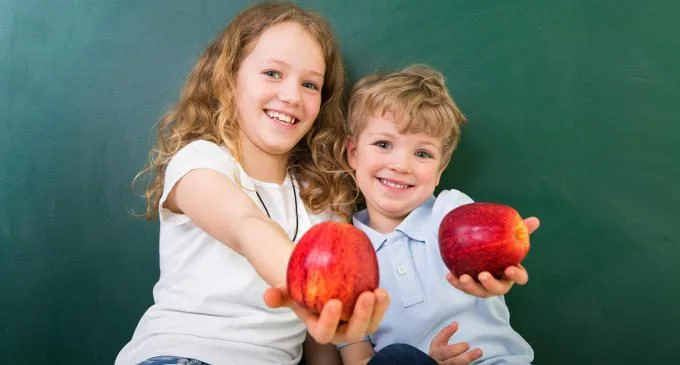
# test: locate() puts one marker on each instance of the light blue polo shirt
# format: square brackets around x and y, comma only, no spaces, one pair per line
[423,302]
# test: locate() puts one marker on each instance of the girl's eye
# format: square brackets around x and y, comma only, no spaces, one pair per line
[382,144]
[423,154]
[273,74]
[310,85]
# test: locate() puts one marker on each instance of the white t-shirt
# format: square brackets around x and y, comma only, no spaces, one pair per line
[208,300]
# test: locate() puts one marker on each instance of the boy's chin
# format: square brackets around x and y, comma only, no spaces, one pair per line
[396,213]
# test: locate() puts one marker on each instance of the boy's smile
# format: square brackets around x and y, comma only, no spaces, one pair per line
[395,171]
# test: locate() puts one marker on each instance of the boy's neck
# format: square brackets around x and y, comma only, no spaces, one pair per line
[381,223]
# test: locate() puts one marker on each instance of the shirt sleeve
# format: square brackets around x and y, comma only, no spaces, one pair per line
[196,155]
[446,201]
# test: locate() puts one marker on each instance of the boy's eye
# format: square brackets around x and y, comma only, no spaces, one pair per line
[310,85]
[423,154]
[272,74]
[382,144]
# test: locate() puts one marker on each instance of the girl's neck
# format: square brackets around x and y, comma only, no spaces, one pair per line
[263,166]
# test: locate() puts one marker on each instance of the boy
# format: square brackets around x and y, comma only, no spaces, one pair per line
[403,128]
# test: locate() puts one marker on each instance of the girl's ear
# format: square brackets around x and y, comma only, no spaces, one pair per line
[351,152]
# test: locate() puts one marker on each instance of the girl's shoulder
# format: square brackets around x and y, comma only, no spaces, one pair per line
[201,149]
[203,154]
[200,154]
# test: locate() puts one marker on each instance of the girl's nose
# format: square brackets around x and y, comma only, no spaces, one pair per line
[289,93]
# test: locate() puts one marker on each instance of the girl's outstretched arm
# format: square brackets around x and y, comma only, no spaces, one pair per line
[220,208]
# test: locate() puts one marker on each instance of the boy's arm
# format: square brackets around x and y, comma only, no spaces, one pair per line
[359,353]
[317,354]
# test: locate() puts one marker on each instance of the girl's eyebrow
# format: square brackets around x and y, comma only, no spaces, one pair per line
[286,65]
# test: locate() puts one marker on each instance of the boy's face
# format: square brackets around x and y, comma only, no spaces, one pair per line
[395,172]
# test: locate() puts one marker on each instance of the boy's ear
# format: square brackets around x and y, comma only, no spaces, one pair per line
[439,175]
[351,152]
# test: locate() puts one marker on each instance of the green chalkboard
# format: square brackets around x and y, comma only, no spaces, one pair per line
[573,118]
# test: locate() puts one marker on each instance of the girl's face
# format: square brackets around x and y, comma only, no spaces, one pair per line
[396,172]
[278,89]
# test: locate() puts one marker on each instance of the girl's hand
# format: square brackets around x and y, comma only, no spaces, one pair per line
[456,354]
[488,286]
[326,327]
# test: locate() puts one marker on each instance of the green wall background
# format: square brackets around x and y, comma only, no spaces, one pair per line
[573,118]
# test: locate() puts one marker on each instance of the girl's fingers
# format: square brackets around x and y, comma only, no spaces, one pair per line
[324,327]
[276,297]
[358,324]
[382,301]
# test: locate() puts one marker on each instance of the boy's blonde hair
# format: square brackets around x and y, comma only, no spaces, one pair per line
[207,110]
[418,100]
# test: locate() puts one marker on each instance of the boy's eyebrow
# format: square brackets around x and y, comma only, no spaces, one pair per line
[286,65]
[380,134]
[390,134]
[432,144]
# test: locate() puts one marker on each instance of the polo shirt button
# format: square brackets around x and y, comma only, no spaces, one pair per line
[401,270]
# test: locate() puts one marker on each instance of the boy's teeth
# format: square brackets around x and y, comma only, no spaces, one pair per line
[282,117]
[393,185]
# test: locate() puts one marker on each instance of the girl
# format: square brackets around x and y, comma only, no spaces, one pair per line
[240,170]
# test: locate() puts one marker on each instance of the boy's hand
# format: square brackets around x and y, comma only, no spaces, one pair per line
[488,286]
[456,354]
[326,327]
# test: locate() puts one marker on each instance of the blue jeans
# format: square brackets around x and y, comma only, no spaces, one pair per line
[171,360]
[401,354]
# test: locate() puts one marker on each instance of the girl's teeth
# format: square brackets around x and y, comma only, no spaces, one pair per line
[393,185]
[282,117]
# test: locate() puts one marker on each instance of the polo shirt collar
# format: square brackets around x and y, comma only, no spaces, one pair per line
[414,226]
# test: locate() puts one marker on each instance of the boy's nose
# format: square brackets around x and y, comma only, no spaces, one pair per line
[401,166]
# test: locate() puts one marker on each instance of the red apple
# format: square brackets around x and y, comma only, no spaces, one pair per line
[332,261]
[480,237]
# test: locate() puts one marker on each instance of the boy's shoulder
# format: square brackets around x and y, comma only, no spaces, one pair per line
[423,222]
[448,200]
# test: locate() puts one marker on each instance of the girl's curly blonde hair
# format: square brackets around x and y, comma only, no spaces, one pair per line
[207,110]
